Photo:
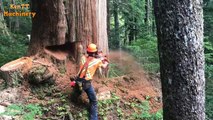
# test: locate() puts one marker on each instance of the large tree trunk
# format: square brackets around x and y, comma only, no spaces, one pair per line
[102,25]
[75,21]
[3,26]
[48,26]
[180,42]
[82,21]
[63,29]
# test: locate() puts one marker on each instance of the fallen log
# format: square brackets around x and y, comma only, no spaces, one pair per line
[14,71]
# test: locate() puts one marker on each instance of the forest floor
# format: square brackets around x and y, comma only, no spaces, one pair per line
[121,96]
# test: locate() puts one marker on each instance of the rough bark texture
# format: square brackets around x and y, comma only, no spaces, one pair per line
[75,21]
[102,36]
[180,40]
[3,26]
[82,21]
[108,17]
[49,24]
[13,72]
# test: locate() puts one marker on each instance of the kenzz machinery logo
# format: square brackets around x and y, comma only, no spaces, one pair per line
[18,11]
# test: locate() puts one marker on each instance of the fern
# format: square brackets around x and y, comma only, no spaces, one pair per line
[27,112]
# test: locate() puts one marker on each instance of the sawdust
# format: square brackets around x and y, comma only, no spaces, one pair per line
[134,84]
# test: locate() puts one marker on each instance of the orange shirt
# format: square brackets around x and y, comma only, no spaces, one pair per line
[93,64]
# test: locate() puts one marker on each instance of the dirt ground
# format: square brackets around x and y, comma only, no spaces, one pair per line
[134,83]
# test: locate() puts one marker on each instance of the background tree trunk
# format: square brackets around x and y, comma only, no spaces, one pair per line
[3,26]
[16,22]
[108,17]
[180,42]
[116,22]
[147,8]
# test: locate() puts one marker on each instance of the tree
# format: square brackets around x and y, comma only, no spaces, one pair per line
[72,22]
[61,31]
[180,42]
[48,26]
[147,12]
[3,26]
[116,22]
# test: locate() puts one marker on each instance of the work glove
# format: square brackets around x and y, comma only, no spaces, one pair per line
[72,84]
[73,78]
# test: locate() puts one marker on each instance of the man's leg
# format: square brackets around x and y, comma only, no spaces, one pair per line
[93,103]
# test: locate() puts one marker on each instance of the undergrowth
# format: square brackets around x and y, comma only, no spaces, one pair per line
[12,47]
[115,108]
[123,110]
[114,71]
[209,78]
[145,51]
[26,112]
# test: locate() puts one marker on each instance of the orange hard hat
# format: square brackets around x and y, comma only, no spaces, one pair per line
[92,48]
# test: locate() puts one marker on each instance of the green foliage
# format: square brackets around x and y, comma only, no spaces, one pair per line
[131,14]
[208,20]
[114,71]
[139,110]
[209,97]
[208,52]
[12,48]
[57,106]
[119,109]
[27,112]
[143,111]
[25,23]
[145,51]
[209,78]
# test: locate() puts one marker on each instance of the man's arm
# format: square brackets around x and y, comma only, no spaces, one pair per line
[105,64]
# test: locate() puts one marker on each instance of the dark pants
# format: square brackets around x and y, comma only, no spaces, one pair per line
[93,103]
[88,88]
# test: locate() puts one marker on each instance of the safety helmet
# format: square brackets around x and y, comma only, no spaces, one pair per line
[92,48]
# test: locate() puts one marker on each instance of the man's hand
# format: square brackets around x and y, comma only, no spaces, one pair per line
[105,64]
[73,78]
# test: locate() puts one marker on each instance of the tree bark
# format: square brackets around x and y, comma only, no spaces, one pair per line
[102,37]
[48,26]
[180,43]
[116,22]
[82,21]
[108,17]
[3,26]
[13,72]
[72,21]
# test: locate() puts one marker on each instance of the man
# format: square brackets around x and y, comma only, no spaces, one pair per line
[88,65]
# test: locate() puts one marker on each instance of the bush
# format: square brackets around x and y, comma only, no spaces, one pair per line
[27,112]
[12,48]
[146,53]
[209,78]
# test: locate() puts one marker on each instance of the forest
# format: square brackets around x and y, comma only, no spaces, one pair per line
[160,58]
